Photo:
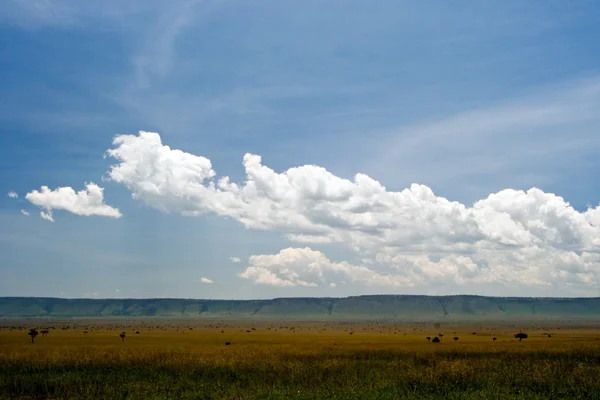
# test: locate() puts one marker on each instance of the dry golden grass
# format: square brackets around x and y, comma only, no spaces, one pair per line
[297,360]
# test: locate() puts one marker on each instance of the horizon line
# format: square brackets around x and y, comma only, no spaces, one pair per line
[302,297]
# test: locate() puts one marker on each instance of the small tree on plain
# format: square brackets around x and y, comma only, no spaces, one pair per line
[521,336]
[494,339]
[435,340]
[122,336]
[428,338]
[455,338]
[33,333]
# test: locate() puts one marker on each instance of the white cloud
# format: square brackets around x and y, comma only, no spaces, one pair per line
[47,216]
[525,237]
[235,260]
[13,195]
[206,280]
[25,213]
[311,268]
[85,202]
[332,285]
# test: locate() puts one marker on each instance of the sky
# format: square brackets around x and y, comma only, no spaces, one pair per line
[239,150]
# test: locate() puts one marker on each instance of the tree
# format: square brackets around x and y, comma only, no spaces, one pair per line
[521,336]
[428,338]
[435,340]
[455,338]
[33,333]
[494,339]
[122,336]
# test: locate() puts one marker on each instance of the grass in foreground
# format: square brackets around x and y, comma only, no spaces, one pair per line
[306,365]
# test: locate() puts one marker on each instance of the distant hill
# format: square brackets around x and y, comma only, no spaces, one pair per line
[415,308]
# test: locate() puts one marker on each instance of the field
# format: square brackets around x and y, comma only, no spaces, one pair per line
[183,359]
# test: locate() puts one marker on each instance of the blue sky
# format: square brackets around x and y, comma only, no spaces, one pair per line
[467,99]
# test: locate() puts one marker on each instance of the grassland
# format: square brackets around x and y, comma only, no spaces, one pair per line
[284,360]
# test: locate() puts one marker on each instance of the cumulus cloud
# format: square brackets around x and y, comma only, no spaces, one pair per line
[235,260]
[25,213]
[332,284]
[311,268]
[206,280]
[13,195]
[530,237]
[85,202]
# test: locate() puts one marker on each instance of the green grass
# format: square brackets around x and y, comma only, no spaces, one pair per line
[307,364]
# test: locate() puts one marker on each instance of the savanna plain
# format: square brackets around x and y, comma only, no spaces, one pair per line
[248,359]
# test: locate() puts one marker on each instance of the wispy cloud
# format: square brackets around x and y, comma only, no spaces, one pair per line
[13,195]
[40,14]
[25,213]
[524,132]
[47,216]
[235,260]
[206,280]
[155,57]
